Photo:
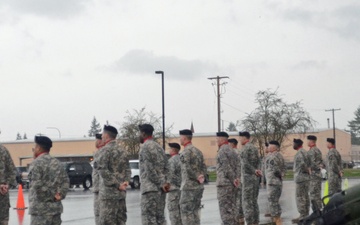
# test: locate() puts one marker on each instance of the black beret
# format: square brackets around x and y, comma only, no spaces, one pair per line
[244,134]
[186,132]
[110,129]
[98,136]
[274,143]
[298,141]
[331,140]
[233,140]
[174,145]
[312,137]
[43,141]
[146,128]
[266,144]
[222,134]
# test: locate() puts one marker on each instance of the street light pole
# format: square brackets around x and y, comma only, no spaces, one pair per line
[163,106]
[55,128]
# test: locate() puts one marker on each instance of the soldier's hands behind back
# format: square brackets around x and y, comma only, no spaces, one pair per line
[4,189]
[258,173]
[57,197]
[166,187]
[123,186]
[201,179]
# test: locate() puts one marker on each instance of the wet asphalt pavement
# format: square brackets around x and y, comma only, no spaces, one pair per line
[78,206]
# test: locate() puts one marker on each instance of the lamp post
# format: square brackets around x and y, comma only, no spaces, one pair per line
[163,106]
[55,128]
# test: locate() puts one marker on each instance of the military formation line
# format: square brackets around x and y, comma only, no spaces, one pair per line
[177,182]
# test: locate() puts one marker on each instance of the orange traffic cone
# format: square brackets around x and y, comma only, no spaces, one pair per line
[20,202]
[21,214]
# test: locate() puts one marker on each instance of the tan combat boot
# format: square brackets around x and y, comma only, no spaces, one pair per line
[277,220]
[267,215]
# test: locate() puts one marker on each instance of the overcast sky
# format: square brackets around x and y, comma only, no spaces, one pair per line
[62,62]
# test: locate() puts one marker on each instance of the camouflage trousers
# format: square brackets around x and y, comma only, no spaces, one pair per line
[302,198]
[173,205]
[226,196]
[152,208]
[250,200]
[112,212]
[4,209]
[240,212]
[97,208]
[315,190]
[45,219]
[273,194]
[190,203]
[334,183]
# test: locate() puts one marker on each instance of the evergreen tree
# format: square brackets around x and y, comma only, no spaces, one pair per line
[18,136]
[94,128]
[355,128]
[25,136]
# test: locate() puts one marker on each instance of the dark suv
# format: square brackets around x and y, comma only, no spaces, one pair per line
[80,173]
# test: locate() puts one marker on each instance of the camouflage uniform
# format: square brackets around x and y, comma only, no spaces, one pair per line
[227,172]
[153,174]
[250,183]
[112,164]
[240,212]
[47,177]
[315,183]
[302,180]
[95,184]
[173,197]
[192,166]
[7,176]
[274,172]
[334,166]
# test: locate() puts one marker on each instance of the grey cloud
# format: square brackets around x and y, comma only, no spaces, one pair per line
[140,62]
[48,8]
[309,64]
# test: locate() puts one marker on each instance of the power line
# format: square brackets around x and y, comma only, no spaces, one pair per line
[233,107]
[218,78]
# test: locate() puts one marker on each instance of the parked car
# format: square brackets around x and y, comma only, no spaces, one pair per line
[135,174]
[211,169]
[22,176]
[80,173]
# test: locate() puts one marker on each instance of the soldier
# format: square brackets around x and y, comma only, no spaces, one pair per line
[315,157]
[153,175]
[233,144]
[49,184]
[193,170]
[7,180]
[263,178]
[95,178]
[250,174]
[334,166]
[112,164]
[274,177]
[302,180]
[174,177]
[227,179]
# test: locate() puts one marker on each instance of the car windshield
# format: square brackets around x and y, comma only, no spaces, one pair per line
[134,165]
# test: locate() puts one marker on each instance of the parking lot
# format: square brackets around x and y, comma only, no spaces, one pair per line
[78,206]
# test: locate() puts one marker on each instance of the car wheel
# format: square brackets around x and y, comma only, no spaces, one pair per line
[136,183]
[87,183]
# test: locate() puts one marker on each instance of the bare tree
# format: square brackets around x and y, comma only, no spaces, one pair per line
[274,119]
[129,131]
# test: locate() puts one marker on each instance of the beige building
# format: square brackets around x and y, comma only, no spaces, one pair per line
[82,149]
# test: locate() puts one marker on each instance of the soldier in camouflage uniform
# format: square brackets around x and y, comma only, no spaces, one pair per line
[274,176]
[302,179]
[193,170]
[227,179]
[316,161]
[95,180]
[263,178]
[250,173]
[112,164]
[334,167]
[7,180]
[49,184]
[240,212]
[174,177]
[153,175]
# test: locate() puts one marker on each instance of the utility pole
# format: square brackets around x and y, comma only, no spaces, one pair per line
[218,95]
[333,115]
